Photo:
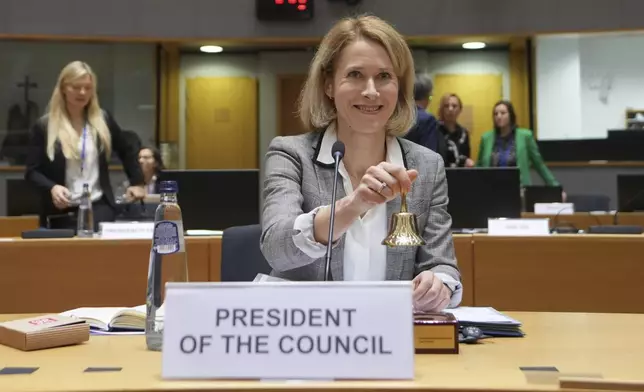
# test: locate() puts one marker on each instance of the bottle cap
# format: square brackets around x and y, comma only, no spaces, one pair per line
[168,187]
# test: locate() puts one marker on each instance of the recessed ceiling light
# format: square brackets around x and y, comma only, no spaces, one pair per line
[211,49]
[474,45]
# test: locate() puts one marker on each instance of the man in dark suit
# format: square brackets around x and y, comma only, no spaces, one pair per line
[425,131]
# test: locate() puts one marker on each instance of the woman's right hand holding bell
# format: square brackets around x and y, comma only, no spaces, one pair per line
[381,184]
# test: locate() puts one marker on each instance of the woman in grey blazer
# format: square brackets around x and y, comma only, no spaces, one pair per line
[359,91]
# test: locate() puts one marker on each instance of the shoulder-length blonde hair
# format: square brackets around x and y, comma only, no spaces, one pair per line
[58,125]
[317,110]
[444,100]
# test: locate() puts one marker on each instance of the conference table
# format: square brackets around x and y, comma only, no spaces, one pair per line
[557,273]
[13,226]
[584,220]
[584,349]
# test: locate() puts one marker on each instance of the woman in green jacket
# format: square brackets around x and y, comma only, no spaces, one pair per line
[507,145]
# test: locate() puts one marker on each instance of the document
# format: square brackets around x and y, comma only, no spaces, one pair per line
[481,315]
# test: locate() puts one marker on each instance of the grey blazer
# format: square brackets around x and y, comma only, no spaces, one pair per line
[296,182]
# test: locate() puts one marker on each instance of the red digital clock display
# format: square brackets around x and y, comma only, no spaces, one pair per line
[285,10]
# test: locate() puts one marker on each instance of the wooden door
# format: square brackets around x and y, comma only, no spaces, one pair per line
[288,120]
[221,123]
[479,93]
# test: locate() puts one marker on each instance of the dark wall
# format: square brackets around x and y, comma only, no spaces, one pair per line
[236,18]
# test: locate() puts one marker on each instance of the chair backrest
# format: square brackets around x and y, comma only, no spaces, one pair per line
[22,198]
[589,202]
[241,257]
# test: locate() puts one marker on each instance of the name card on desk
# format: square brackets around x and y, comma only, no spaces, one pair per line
[518,227]
[554,208]
[127,230]
[288,330]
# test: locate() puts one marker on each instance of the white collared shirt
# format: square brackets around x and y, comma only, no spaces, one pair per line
[365,258]
[74,179]
[151,186]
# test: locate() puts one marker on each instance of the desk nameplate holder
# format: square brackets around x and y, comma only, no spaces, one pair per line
[518,227]
[127,230]
[289,330]
[435,333]
[554,208]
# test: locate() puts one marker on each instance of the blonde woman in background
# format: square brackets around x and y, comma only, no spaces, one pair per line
[71,145]
[457,138]
[359,91]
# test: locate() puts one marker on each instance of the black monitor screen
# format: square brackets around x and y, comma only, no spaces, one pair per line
[476,194]
[23,198]
[630,192]
[217,199]
[541,194]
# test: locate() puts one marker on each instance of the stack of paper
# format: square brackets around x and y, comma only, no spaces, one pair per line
[268,278]
[489,320]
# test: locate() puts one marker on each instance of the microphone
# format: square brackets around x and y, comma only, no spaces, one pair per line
[628,205]
[565,228]
[617,228]
[337,151]
[142,205]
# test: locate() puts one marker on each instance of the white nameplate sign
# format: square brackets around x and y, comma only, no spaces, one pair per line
[288,330]
[554,208]
[518,227]
[127,230]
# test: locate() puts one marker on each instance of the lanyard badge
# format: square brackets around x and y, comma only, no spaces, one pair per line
[82,156]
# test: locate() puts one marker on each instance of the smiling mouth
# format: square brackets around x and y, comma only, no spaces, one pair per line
[369,109]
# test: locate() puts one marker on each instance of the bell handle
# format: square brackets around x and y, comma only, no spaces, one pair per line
[403,201]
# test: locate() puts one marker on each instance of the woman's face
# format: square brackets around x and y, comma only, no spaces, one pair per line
[364,87]
[147,162]
[78,92]
[451,109]
[501,116]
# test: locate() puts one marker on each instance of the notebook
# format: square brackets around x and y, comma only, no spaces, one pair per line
[113,319]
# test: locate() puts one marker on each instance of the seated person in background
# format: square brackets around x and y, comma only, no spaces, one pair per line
[457,138]
[425,130]
[507,146]
[359,91]
[70,146]
[152,167]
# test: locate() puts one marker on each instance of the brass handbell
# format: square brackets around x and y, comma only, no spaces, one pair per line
[403,230]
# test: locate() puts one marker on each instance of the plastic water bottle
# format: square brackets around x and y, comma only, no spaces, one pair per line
[168,261]
[85,218]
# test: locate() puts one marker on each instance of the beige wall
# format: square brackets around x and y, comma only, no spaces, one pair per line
[265,66]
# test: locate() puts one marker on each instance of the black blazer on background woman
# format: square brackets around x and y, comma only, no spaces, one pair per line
[44,173]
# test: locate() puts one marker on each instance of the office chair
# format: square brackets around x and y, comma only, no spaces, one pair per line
[589,202]
[241,257]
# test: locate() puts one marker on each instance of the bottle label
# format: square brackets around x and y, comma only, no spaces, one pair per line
[168,237]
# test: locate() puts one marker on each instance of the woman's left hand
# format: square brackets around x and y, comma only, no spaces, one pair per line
[135,193]
[430,293]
